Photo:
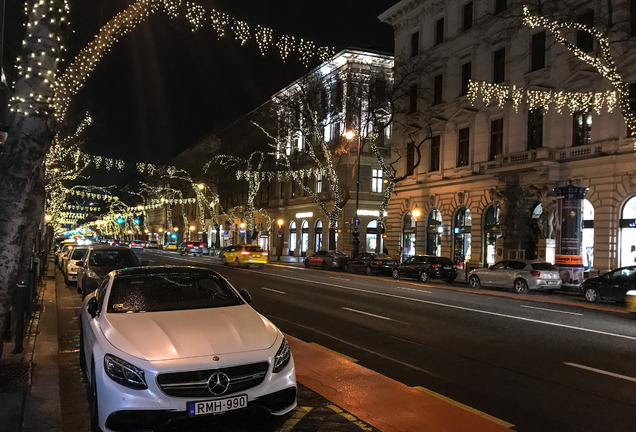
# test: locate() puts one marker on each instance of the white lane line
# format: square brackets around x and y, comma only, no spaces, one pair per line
[273,290]
[462,308]
[551,310]
[368,314]
[601,371]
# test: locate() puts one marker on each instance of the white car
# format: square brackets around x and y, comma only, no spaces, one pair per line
[70,274]
[179,344]
[520,275]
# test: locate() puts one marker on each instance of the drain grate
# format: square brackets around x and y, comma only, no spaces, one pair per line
[14,376]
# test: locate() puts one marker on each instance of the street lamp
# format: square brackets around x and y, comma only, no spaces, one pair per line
[190,233]
[355,241]
[415,213]
[280,237]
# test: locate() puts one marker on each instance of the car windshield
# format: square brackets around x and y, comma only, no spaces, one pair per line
[112,258]
[443,261]
[170,291]
[543,266]
[78,254]
[338,253]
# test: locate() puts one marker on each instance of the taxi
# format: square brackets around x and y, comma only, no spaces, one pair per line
[245,255]
[171,246]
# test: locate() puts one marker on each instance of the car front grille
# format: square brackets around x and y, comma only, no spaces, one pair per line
[195,383]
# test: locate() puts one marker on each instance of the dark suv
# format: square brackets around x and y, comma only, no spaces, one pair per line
[99,261]
[426,267]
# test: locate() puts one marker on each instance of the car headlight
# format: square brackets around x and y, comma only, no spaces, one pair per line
[282,356]
[124,373]
[91,274]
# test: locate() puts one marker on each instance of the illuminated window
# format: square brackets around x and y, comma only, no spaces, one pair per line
[376,181]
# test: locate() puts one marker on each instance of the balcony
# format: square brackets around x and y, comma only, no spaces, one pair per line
[513,161]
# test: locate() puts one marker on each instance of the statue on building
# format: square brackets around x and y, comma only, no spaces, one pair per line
[547,198]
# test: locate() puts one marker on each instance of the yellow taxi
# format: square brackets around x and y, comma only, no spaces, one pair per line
[630,301]
[245,255]
[170,246]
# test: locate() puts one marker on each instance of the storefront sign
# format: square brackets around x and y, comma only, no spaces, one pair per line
[304,215]
[575,260]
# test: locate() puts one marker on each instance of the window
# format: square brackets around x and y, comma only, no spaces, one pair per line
[410,158]
[465,76]
[413,99]
[319,183]
[415,44]
[537,58]
[581,128]
[437,89]
[462,147]
[499,65]
[500,6]
[376,181]
[535,129]
[435,153]
[468,16]
[584,40]
[439,31]
[496,138]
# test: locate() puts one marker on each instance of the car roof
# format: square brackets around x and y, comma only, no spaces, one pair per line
[108,247]
[174,269]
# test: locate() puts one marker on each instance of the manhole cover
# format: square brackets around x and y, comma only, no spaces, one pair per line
[14,376]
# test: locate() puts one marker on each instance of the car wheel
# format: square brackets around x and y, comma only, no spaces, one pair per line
[521,286]
[307,264]
[367,270]
[323,265]
[591,295]
[236,262]
[347,268]
[92,405]
[474,281]
[395,274]
[424,277]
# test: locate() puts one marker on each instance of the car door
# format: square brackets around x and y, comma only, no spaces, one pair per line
[360,262]
[622,280]
[493,276]
[410,267]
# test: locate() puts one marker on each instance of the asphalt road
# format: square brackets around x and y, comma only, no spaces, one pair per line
[531,361]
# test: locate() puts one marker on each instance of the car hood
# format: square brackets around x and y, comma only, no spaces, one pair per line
[189,333]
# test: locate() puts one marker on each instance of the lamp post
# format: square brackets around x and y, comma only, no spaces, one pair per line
[355,241]
[280,237]
[415,213]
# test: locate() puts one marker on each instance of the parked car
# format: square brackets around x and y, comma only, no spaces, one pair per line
[371,263]
[65,249]
[152,244]
[245,255]
[425,268]
[195,248]
[70,273]
[99,261]
[520,275]
[612,285]
[180,345]
[327,260]
[137,244]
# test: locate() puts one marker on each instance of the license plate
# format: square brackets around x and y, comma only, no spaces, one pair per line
[217,406]
[447,267]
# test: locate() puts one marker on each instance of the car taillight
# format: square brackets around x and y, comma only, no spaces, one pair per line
[201,246]
[535,273]
[265,253]
[245,253]
[436,265]
[378,263]
[190,245]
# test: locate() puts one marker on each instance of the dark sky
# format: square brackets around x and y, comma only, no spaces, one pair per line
[164,87]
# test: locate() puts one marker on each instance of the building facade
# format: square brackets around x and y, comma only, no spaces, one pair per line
[503,176]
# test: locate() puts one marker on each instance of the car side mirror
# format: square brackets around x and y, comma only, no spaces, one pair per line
[145,263]
[246,295]
[80,264]
[92,307]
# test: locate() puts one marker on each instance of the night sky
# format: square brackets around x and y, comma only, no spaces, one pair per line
[163,87]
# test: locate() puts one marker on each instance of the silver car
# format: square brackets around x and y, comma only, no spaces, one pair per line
[520,275]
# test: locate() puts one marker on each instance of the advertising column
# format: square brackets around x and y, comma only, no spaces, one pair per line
[569,258]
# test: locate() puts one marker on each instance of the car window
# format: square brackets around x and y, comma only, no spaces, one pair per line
[112,258]
[543,266]
[443,261]
[382,256]
[321,253]
[420,259]
[101,292]
[254,249]
[500,265]
[78,254]
[338,253]
[517,265]
[158,292]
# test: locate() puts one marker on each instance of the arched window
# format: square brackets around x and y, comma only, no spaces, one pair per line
[461,236]
[408,235]
[318,240]
[304,238]
[492,232]
[434,230]
[628,233]
[292,238]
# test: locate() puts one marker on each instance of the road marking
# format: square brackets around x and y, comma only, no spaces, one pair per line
[339,354]
[462,308]
[552,310]
[299,413]
[465,407]
[351,418]
[371,314]
[273,290]
[601,371]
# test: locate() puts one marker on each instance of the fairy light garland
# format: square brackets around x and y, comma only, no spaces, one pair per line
[604,64]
